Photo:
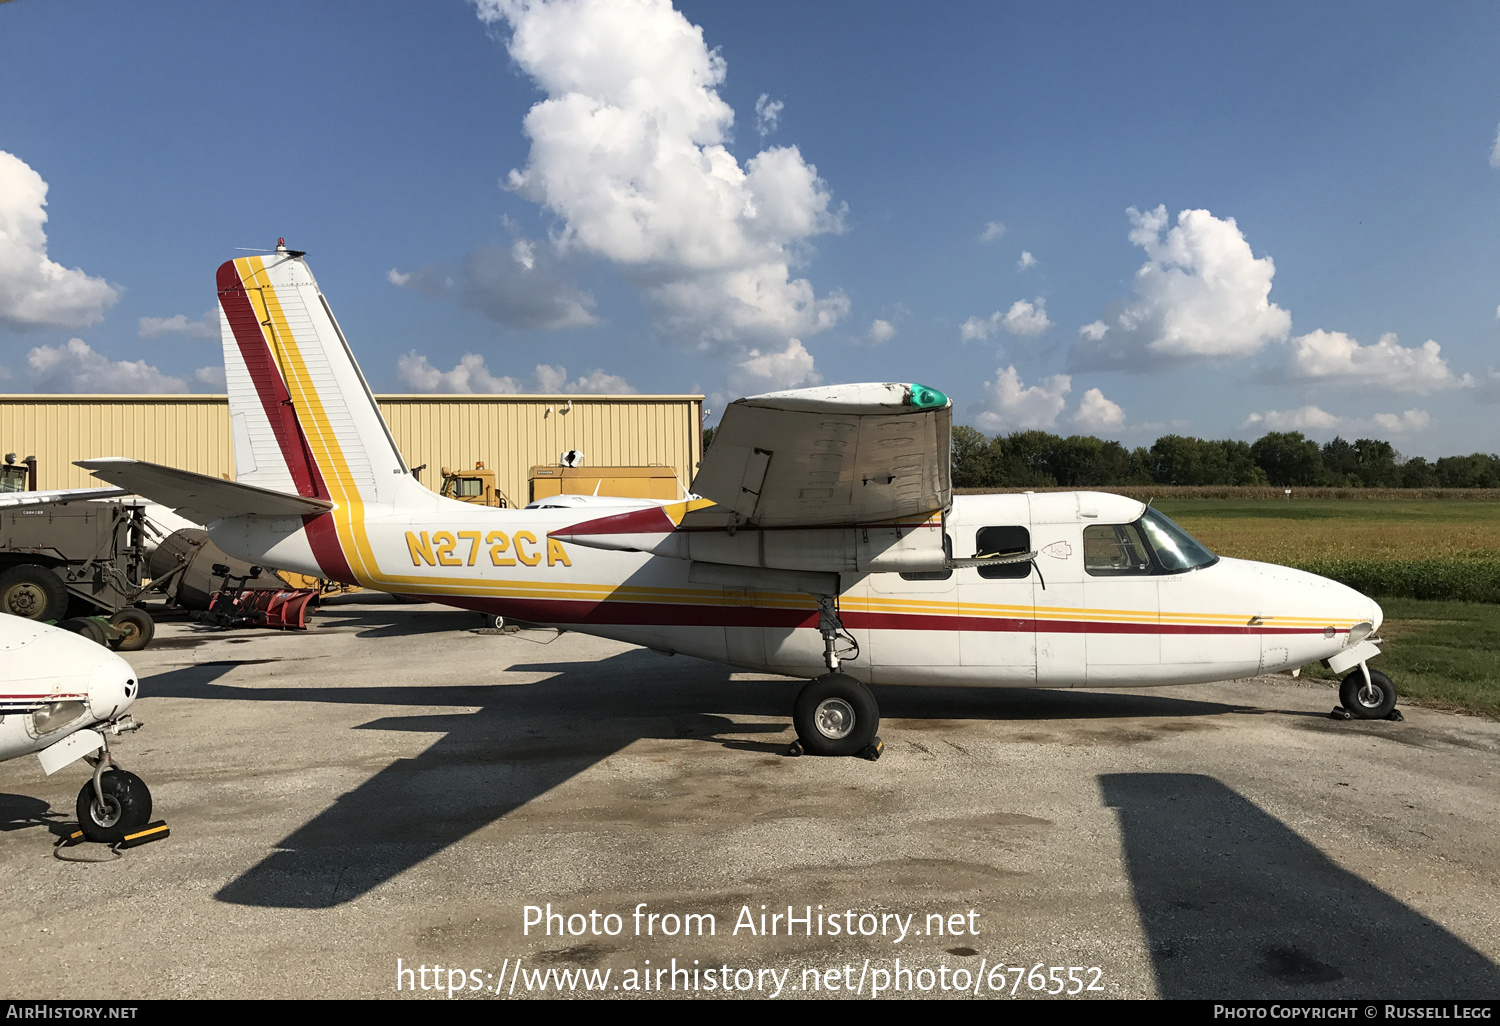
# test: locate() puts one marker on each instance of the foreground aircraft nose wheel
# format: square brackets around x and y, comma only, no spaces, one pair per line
[1373,701]
[835,715]
[125,809]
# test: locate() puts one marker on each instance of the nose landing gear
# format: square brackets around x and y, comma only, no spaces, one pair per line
[1367,694]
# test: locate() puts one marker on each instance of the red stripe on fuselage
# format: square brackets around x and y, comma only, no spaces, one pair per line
[672,615]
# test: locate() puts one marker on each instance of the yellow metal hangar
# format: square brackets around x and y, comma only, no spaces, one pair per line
[519,437]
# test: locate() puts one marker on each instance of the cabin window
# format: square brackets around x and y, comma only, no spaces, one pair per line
[1002,541]
[934,575]
[1115,550]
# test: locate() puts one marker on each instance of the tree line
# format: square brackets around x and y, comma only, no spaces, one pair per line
[1037,459]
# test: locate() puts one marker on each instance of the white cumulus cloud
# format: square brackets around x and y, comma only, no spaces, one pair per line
[36,292]
[1495,151]
[596,382]
[76,367]
[1009,405]
[767,114]
[759,371]
[1333,357]
[1027,260]
[992,230]
[206,326]
[1023,318]
[1094,332]
[1201,294]
[881,331]
[471,375]
[629,151]
[1098,414]
[1316,421]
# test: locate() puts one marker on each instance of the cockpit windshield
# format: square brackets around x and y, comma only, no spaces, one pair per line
[1175,549]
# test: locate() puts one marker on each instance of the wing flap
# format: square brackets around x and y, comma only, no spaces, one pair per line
[199,497]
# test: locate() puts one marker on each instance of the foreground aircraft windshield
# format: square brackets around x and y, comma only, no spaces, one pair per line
[1175,548]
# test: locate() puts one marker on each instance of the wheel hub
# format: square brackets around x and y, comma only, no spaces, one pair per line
[834,718]
[24,599]
[107,814]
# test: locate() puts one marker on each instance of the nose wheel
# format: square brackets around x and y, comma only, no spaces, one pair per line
[113,805]
[1368,699]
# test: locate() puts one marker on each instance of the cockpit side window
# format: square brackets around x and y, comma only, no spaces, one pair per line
[1151,545]
[1175,549]
[999,541]
[1115,550]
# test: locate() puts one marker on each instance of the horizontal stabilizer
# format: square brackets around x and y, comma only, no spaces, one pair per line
[198,497]
[58,495]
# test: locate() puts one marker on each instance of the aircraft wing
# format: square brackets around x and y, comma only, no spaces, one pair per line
[199,497]
[839,455]
[58,495]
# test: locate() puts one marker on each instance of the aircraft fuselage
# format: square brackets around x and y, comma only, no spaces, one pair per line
[1083,615]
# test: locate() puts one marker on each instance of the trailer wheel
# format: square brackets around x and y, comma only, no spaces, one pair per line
[34,592]
[126,807]
[138,627]
[88,627]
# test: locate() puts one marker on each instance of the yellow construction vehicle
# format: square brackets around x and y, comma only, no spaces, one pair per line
[476,486]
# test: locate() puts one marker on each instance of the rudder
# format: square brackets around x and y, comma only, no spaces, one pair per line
[303,417]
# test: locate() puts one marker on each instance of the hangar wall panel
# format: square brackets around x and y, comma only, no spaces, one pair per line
[508,433]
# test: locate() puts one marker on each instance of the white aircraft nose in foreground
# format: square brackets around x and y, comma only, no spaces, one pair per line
[827,543]
[62,695]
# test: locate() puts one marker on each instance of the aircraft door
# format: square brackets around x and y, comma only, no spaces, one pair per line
[1121,596]
[1061,616]
[998,610]
[912,618]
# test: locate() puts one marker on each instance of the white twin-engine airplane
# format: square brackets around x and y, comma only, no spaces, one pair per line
[61,697]
[823,545]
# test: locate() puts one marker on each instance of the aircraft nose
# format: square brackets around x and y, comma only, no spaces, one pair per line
[1377,616]
[112,687]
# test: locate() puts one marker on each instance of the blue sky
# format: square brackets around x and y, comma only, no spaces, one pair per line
[981,197]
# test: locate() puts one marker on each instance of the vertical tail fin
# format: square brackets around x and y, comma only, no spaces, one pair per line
[302,415]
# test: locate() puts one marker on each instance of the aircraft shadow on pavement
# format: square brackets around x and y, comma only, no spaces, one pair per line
[1236,905]
[526,739]
[19,811]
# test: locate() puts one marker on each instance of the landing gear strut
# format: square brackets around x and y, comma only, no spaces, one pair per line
[835,714]
[113,803]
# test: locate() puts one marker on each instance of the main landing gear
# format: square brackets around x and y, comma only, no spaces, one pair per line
[835,714]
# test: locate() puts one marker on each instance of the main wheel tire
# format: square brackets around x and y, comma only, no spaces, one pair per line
[34,592]
[835,715]
[1372,703]
[127,807]
[138,626]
